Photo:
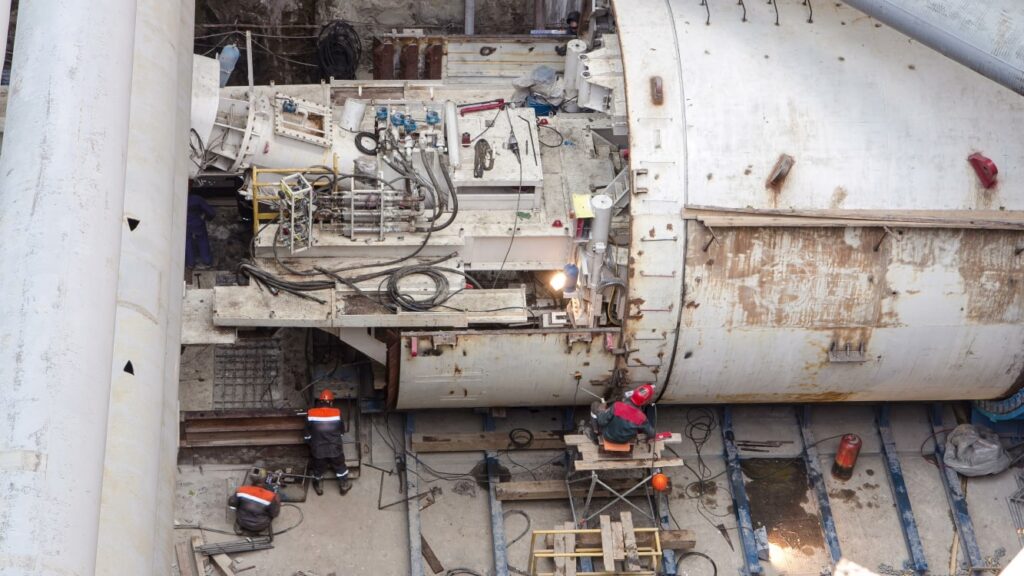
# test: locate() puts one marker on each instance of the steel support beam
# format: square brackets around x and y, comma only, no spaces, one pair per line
[497,516]
[817,480]
[901,496]
[955,495]
[751,563]
[62,181]
[412,488]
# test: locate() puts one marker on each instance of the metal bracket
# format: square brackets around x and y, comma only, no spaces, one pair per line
[847,353]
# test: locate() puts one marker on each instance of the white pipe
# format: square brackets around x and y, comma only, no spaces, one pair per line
[470,16]
[984,36]
[451,134]
[5,22]
[127,532]
[62,177]
[167,475]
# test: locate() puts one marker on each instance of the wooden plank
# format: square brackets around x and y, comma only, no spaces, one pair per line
[555,489]
[632,557]
[223,563]
[430,557]
[730,216]
[570,546]
[186,561]
[670,540]
[619,540]
[584,465]
[200,559]
[482,442]
[607,543]
[560,561]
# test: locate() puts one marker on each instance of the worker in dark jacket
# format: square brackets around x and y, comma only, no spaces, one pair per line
[197,239]
[255,509]
[625,419]
[324,429]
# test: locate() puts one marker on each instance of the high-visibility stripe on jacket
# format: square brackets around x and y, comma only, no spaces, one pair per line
[256,494]
[324,430]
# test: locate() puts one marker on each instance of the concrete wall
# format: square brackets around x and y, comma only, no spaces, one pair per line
[290,27]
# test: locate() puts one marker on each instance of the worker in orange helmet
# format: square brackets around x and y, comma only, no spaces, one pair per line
[255,509]
[625,419]
[324,430]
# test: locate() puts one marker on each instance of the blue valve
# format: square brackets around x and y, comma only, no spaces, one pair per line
[382,114]
[397,118]
[289,106]
[410,125]
[433,118]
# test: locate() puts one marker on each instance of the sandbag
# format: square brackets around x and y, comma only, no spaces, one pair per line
[975,451]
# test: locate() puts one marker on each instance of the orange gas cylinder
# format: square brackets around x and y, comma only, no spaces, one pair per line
[846,456]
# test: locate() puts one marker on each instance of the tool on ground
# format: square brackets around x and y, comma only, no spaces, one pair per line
[483,158]
[533,143]
[513,144]
[725,534]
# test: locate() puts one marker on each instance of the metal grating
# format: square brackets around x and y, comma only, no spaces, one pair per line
[247,375]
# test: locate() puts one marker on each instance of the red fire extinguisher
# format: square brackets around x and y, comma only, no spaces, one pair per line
[846,456]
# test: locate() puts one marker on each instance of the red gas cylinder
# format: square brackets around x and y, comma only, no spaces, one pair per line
[846,457]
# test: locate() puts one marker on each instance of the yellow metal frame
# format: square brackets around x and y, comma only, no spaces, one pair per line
[257,185]
[595,553]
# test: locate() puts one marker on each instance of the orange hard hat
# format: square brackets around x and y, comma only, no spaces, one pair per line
[642,395]
[327,396]
[659,482]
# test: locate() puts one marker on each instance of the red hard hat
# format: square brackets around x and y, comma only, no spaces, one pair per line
[327,396]
[642,395]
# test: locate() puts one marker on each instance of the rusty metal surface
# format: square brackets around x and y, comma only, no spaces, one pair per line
[216,428]
[502,368]
[383,60]
[938,314]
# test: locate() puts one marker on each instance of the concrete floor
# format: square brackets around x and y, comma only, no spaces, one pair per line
[348,535]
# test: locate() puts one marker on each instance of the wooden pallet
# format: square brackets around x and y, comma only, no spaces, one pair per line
[615,548]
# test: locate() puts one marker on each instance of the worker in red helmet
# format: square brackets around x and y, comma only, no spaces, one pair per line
[625,419]
[255,509]
[324,430]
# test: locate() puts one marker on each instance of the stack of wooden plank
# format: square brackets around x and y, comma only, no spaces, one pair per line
[617,548]
[642,455]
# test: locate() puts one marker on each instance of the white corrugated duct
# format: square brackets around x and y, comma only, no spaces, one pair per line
[984,36]
[148,321]
[62,176]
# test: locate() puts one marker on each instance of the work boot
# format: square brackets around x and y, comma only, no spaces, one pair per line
[318,487]
[344,485]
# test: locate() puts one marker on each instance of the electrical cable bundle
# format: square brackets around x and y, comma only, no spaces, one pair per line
[338,51]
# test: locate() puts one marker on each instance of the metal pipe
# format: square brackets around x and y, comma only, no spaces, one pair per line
[984,36]
[470,17]
[63,173]
[127,531]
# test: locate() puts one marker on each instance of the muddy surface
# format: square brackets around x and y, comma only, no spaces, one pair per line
[779,497]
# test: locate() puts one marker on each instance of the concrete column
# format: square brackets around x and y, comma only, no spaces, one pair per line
[5,22]
[146,315]
[62,176]
[470,18]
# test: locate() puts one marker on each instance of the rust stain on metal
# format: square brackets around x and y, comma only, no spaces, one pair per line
[651,232]
[383,61]
[993,275]
[792,277]
[838,197]
[409,62]
[432,61]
